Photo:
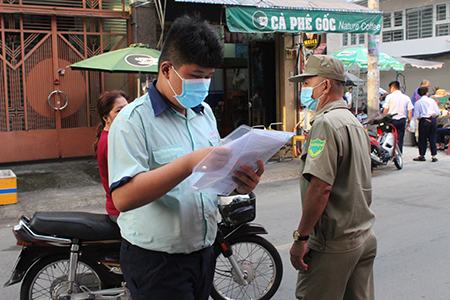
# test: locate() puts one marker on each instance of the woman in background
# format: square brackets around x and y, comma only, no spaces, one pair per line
[109,105]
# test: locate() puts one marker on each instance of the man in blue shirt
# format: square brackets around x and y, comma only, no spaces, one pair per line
[426,111]
[168,228]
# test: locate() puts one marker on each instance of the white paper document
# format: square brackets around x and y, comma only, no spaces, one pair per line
[244,148]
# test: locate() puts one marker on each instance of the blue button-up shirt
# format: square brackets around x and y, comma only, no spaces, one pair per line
[146,135]
[426,107]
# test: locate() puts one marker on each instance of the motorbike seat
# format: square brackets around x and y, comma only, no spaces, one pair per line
[81,225]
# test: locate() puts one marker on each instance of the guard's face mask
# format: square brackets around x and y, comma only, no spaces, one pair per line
[306,97]
[193,91]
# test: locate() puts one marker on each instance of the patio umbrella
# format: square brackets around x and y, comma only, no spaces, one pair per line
[358,56]
[137,58]
[352,80]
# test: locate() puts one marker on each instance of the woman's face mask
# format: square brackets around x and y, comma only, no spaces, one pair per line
[193,91]
[307,99]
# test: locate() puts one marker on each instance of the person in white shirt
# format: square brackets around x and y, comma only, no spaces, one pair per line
[426,111]
[400,104]
[348,96]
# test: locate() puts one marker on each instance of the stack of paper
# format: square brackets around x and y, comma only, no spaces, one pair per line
[242,149]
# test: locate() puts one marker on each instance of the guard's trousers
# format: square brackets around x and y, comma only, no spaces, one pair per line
[339,276]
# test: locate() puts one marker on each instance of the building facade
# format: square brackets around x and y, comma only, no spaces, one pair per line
[413,28]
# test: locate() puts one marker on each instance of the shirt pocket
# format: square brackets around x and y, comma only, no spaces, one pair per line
[167,154]
[213,142]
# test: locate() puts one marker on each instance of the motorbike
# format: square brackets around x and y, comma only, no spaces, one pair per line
[384,142]
[75,256]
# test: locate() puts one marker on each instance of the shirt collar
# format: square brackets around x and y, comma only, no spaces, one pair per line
[160,105]
[330,106]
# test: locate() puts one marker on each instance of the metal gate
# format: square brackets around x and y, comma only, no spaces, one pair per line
[47,110]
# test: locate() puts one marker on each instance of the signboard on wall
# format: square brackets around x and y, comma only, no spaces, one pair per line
[257,19]
[311,40]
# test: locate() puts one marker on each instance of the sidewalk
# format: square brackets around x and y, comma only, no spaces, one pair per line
[75,185]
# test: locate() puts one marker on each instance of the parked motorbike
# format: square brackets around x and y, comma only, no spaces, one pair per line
[384,142]
[75,256]
[248,266]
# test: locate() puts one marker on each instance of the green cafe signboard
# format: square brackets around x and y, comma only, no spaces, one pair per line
[254,19]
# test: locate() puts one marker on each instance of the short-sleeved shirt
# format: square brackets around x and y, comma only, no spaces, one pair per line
[398,103]
[338,153]
[146,135]
[426,107]
[102,161]
[349,97]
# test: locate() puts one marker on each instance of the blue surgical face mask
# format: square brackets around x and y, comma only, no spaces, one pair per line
[193,91]
[307,99]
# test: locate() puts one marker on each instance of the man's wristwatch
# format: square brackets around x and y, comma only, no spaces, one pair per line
[299,237]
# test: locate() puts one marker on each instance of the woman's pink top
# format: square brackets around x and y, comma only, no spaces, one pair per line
[102,160]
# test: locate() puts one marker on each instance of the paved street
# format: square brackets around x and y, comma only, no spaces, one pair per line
[412,207]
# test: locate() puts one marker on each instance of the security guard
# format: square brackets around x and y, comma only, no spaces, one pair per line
[334,247]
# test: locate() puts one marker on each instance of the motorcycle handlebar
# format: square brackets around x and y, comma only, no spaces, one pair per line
[380,119]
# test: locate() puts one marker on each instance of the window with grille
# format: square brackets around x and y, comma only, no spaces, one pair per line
[441,12]
[362,38]
[398,18]
[387,20]
[396,29]
[393,36]
[419,22]
[353,38]
[344,39]
[443,29]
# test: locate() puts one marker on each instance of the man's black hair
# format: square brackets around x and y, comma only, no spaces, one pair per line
[395,84]
[422,91]
[191,40]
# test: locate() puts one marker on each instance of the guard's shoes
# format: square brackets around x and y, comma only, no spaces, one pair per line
[434,159]
[419,158]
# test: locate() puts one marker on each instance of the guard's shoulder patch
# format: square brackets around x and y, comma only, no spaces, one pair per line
[316,147]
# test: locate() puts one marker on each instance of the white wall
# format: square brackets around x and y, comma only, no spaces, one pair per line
[391,5]
[334,42]
[440,77]
[413,76]
[433,45]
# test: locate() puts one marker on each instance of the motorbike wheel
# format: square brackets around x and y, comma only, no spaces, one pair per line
[47,279]
[398,160]
[259,261]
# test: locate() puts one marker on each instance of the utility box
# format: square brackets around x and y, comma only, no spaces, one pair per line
[8,187]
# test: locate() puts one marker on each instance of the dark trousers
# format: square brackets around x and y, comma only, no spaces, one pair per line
[441,134]
[427,134]
[400,125]
[153,275]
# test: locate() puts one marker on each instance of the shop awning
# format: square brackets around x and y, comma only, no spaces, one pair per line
[293,16]
[421,63]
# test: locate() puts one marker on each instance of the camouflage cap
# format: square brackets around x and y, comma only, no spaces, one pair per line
[321,65]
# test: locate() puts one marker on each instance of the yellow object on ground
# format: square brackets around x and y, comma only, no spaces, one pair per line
[8,187]
[297,142]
